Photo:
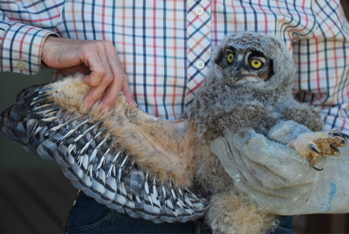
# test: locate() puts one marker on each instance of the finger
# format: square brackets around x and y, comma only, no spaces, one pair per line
[93,78]
[100,78]
[258,179]
[258,176]
[119,83]
[263,177]
[76,69]
[97,63]
[128,94]
[269,152]
[242,170]
[112,92]
[220,147]
[119,79]
[285,131]
[276,160]
[281,160]
[99,70]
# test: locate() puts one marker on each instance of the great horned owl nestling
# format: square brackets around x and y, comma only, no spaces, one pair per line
[250,85]
[161,170]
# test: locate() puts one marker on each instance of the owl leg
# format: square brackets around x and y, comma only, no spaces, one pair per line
[317,145]
[233,213]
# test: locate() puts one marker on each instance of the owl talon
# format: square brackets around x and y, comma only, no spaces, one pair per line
[316,160]
[344,137]
[340,134]
[318,169]
[334,148]
[320,144]
[313,160]
[313,148]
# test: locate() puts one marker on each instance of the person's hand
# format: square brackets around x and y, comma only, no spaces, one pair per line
[272,174]
[98,60]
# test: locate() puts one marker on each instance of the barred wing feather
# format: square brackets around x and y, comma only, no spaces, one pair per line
[95,161]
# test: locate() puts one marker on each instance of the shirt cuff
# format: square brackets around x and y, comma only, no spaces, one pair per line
[21,47]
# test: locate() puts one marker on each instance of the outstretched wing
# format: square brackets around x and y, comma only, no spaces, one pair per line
[124,159]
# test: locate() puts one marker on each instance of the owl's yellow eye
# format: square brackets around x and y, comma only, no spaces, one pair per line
[256,63]
[230,57]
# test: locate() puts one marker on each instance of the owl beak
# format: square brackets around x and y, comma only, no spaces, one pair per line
[236,71]
[241,76]
[237,74]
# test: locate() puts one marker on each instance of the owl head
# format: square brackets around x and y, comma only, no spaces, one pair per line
[246,69]
[252,62]
[244,65]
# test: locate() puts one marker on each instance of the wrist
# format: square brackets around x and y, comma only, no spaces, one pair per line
[49,41]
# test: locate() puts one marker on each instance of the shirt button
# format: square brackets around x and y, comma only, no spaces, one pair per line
[21,65]
[199,10]
[200,64]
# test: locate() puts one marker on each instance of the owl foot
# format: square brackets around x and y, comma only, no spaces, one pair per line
[316,146]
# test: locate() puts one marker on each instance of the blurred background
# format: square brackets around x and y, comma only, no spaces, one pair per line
[36,198]
[12,154]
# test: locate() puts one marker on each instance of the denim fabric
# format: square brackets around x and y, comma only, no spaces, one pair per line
[285,226]
[88,216]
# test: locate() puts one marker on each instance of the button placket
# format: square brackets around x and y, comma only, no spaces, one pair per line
[199,10]
[200,64]
[198,44]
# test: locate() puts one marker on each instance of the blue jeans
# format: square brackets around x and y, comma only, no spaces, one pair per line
[285,226]
[88,216]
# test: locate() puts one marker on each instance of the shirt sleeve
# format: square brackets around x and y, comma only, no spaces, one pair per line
[21,47]
[322,60]
[23,30]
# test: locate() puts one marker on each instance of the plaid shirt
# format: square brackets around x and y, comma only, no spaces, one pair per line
[165,46]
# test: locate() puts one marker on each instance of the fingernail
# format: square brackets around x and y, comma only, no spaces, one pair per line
[87,104]
[105,109]
[133,104]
